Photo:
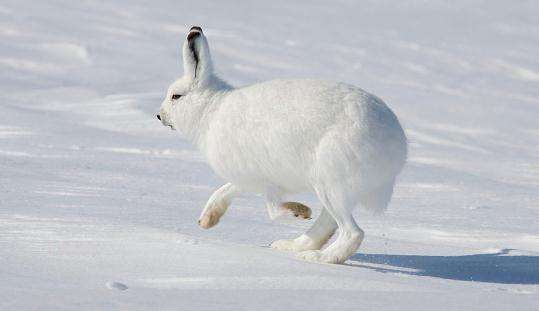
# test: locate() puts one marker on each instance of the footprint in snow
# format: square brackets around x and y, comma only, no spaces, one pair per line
[117,285]
[188,241]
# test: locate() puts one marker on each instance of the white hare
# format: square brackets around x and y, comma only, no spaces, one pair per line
[288,136]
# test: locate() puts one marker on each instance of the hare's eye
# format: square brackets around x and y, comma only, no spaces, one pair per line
[176,96]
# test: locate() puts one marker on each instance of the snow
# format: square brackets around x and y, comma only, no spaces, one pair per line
[99,202]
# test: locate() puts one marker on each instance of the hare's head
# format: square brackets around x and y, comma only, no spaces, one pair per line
[198,74]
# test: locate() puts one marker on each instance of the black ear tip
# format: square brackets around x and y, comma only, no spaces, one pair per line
[194,32]
[195,28]
[192,35]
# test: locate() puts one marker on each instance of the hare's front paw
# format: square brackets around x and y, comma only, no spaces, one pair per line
[212,214]
[297,209]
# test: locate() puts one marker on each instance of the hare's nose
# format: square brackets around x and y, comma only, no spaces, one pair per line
[158,117]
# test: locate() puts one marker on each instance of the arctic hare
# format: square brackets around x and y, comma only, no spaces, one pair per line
[288,136]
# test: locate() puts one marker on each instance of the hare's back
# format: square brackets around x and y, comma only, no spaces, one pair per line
[304,104]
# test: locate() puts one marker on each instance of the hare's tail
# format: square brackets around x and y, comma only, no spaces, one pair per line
[376,201]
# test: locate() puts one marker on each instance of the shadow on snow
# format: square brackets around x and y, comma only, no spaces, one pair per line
[500,267]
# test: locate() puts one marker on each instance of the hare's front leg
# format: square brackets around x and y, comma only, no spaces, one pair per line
[217,205]
[314,238]
[277,208]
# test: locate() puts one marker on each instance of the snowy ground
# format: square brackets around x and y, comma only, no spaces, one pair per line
[99,202]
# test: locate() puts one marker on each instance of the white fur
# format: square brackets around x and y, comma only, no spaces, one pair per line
[287,136]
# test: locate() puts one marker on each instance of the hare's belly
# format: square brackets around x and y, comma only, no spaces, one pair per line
[256,168]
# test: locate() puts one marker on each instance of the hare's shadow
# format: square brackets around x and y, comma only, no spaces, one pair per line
[500,267]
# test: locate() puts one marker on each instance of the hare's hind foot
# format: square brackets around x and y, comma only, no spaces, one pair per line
[338,252]
[299,244]
[320,232]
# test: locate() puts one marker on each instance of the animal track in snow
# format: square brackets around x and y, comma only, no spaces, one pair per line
[187,240]
[117,285]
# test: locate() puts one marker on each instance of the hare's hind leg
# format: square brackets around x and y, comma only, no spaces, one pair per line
[314,238]
[350,235]
[217,205]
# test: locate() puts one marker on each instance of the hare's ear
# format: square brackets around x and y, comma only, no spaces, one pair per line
[196,56]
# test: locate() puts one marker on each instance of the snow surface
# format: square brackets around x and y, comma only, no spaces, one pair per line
[99,202]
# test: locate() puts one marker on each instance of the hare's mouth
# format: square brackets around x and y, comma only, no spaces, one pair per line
[165,123]
[172,128]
